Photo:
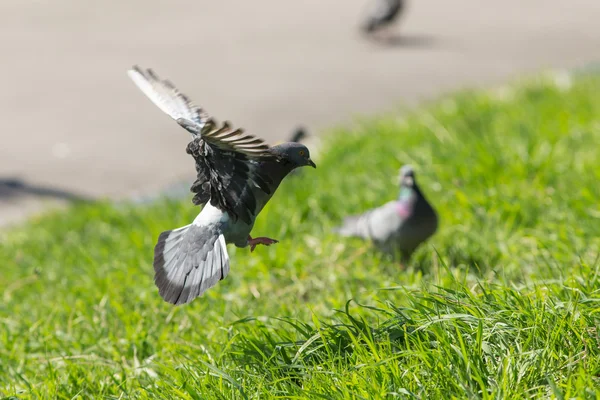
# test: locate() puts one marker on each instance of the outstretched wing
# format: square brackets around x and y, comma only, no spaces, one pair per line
[169,99]
[227,159]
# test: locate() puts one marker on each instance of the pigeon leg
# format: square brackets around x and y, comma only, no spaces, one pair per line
[260,240]
[404,259]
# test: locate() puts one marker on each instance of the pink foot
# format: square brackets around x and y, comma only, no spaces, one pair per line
[260,240]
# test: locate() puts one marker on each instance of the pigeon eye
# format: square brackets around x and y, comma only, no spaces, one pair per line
[301,152]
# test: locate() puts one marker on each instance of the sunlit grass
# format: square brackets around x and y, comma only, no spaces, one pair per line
[503,302]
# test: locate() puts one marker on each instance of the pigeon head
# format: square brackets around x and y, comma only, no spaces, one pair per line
[296,154]
[406,177]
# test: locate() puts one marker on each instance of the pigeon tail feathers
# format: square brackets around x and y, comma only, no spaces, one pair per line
[355,226]
[188,261]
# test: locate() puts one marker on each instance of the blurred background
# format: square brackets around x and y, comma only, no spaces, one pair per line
[74,127]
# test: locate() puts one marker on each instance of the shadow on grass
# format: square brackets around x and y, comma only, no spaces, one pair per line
[14,188]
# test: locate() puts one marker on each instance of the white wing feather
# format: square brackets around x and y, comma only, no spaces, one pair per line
[167,97]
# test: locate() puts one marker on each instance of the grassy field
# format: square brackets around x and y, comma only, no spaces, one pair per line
[503,302]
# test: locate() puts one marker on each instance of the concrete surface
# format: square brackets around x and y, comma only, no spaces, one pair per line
[73,124]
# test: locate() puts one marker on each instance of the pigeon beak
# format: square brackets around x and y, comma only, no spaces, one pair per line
[311,163]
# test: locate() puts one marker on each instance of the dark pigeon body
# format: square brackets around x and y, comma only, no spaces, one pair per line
[382,13]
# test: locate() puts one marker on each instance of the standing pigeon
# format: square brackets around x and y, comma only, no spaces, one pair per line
[298,135]
[382,13]
[237,174]
[397,226]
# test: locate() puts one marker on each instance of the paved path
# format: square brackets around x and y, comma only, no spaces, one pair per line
[73,125]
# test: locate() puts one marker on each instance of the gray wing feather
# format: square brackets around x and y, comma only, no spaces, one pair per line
[378,224]
[169,99]
[188,261]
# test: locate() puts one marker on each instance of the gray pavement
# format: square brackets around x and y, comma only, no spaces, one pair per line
[73,124]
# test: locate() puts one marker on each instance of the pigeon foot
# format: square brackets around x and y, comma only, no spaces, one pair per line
[260,240]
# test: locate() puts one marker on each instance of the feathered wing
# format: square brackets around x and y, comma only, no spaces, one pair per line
[169,99]
[377,224]
[227,159]
[227,178]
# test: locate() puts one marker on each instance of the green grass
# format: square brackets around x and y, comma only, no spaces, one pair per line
[503,302]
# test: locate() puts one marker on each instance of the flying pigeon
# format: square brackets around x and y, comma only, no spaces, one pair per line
[400,225]
[237,174]
[382,13]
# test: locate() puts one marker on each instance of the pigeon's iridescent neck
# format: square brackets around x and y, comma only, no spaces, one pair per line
[406,194]
[403,208]
[405,202]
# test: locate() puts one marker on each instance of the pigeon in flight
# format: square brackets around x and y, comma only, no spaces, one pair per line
[400,225]
[382,13]
[237,174]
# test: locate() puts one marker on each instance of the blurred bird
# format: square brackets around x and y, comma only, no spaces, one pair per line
[381,14]
[236,176]
[397,226]
[298,135]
